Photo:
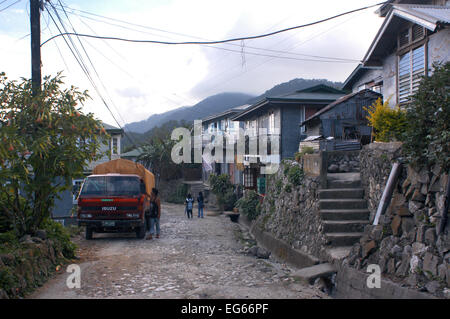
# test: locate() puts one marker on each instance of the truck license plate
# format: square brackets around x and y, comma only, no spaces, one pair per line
[108,223]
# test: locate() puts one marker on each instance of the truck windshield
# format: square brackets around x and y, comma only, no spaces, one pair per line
[111,186]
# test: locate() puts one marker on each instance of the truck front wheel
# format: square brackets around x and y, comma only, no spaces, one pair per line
[89,232]
[140,231]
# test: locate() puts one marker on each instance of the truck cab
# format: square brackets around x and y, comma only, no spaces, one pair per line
[113,203]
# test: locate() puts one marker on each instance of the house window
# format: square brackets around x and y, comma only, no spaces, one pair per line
[271,123]
[248,178]
[411,67]
[302,119]
[115,143]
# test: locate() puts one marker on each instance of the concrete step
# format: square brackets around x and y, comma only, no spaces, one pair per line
[343,239]
[344,214]
[343,226]
[351,203]
[309,274]
[338,253]
[343,184]
[336,193]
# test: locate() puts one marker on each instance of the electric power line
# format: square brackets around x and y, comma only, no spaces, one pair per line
[1,10]
[191,36]
[219,41]
[79,59]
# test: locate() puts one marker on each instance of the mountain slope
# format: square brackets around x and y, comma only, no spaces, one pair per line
[211,105]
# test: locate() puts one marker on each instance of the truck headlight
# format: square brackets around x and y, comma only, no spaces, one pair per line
[132,215]
[86,215]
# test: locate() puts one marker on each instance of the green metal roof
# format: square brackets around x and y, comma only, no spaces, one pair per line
[133,153]
[318,94]
[112,129]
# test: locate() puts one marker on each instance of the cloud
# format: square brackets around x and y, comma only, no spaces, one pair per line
[139,80]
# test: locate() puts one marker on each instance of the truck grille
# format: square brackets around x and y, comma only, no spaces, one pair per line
[118,208]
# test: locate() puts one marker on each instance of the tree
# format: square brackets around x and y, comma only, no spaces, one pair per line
[156,156]
[156,152]
[46,141]
[427,136]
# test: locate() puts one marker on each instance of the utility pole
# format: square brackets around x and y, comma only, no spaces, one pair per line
[35,21]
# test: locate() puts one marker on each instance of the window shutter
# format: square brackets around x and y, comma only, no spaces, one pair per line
[418,67]
[404,75]
[418,32]
[403,38]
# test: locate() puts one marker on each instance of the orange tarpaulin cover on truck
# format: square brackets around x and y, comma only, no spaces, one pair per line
[123,166]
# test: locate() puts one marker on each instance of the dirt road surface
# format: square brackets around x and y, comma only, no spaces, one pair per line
[195,258]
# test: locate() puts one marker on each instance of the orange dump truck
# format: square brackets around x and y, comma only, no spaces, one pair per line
[115,198]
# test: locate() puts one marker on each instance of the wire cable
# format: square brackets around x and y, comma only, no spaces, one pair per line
[219,41]
[191,36]
[1,10]
[85,70]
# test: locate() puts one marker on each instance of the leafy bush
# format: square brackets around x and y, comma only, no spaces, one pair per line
[278,186]
[229,200]
[249,205]
[295,175]
[305,150]
[388,123]
[61,236]
[8,237]
[288,188]
[427,136]
[222,187]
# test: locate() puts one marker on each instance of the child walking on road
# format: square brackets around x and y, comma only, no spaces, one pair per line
[189,205]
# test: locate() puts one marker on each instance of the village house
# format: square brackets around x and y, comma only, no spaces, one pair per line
[221,125]
[413,36]
[63,206]
[281,116]
[342,124]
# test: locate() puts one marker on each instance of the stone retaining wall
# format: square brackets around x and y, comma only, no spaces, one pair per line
[343,161]
[404,244]
[290,210]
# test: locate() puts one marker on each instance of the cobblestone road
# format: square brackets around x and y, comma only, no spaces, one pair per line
[196,258]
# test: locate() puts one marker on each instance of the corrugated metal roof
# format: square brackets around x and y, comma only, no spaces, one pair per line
[133,153]
[425,15]
[110,127]
[306,96]
[319,94]
[433,14]
[228,113]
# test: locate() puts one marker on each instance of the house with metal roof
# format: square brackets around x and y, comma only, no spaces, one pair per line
[413,36]
[62,210]
[221,125]
[280,116]
[342,124]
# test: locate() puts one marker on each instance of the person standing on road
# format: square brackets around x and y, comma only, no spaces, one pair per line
[155,214]
[189,205]
[200,204]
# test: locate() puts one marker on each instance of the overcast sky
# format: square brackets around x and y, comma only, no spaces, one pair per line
[140,79]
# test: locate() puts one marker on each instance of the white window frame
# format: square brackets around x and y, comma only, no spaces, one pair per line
[302,118]
[408,78]
[271,123]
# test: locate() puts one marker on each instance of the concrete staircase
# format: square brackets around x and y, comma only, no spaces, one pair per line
[344,212]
